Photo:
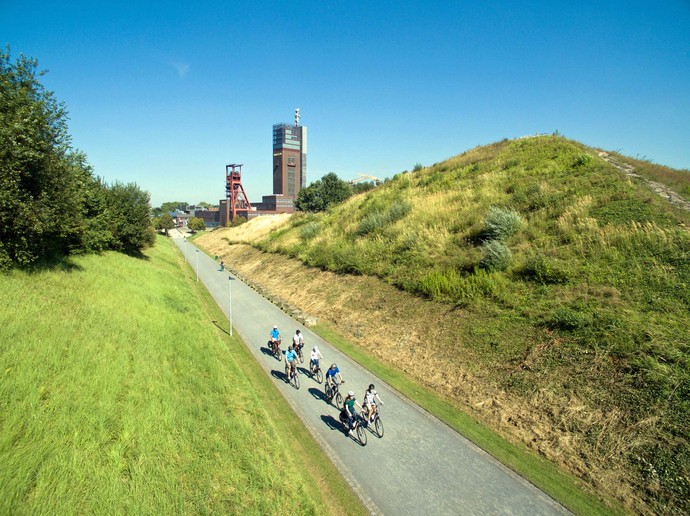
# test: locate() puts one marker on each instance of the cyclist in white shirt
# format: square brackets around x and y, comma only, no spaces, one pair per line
[370,397]
[298,341]
[315,357]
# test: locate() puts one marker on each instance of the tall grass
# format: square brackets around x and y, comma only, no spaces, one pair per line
[119,395]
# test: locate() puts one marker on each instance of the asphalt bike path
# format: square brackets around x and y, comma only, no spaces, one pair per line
[420,465]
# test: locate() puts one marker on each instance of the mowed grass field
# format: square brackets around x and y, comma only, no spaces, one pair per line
[120,393]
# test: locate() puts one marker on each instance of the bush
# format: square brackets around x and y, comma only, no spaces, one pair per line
[379,219]
[501,224]
[496,256]
[309,230]
[546,270]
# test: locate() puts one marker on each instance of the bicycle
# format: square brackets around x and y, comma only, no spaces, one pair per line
[315,372]
[274,346]
[378,424]
[332,392]
[357,427]
[295,376]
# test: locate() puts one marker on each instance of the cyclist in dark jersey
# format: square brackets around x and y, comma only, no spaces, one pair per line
[349,410]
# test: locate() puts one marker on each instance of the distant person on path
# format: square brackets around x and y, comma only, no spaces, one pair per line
[370,397]
[315,357]
[222,266]
[349,411]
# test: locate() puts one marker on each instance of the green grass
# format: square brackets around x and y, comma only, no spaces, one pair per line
[119,394]
[567,489]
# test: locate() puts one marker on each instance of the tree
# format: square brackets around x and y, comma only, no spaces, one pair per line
[166,222]
[128,217]
[321,194]
[196,224]
[44,182]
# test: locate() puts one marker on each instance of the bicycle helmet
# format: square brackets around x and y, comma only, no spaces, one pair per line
[350,393]
[289,348]
[275,326]
[314,349]
[371,387]
[297,331]
[333,366]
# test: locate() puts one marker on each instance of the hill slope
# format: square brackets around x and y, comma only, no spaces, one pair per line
[550,279]
[118,394]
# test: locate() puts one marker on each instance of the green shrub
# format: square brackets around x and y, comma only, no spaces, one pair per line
[378,219]
[496,256]
[309,230]
[546,270]
[501,224]
[582,159]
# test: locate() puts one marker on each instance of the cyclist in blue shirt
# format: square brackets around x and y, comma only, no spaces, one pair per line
[290,363]
[331,374]
[275,339]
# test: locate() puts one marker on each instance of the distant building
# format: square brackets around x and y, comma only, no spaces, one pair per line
[289,158]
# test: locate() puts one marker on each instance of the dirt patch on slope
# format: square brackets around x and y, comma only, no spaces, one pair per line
[425,339]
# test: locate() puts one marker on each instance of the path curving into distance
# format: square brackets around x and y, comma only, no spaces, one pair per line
[420,466]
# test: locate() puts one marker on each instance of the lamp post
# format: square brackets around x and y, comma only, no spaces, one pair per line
[197,265]
[230,302]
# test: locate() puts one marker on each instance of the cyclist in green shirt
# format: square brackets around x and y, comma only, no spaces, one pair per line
[349,410]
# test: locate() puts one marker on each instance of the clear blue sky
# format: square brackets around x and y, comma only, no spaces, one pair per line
[165,94]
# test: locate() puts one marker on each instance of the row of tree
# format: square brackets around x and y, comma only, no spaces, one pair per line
[51,203]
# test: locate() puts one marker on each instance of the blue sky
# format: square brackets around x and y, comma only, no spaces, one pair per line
[165,94]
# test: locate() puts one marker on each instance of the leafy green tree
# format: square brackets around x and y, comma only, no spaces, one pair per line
[166,222]
[42,179]
[196,224]
[129,220]
[321,194]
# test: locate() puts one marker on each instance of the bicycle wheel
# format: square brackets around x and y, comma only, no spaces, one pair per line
[378,425]
[327,390]
[296,380]
[319,376]
[338,400]
[361,435]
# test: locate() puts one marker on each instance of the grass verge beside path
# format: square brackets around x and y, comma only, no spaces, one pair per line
[119,394]
[566,489]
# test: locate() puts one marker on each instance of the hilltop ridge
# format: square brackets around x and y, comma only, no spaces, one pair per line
[543,290]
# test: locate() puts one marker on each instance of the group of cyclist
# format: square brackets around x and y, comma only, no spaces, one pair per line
[333,378]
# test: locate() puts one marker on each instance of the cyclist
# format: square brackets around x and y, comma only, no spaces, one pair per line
[275,337]
[370,397]
[331,375]
[298,341]
[349,411]
[315,357]
[290,362]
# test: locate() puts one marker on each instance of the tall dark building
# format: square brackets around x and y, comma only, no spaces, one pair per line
[289,158]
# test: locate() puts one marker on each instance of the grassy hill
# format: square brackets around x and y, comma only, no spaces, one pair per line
[550,277]
[119,394]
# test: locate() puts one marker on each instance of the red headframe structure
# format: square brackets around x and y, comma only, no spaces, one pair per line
[234,192]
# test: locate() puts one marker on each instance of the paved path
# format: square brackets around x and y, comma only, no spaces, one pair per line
[419,466]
